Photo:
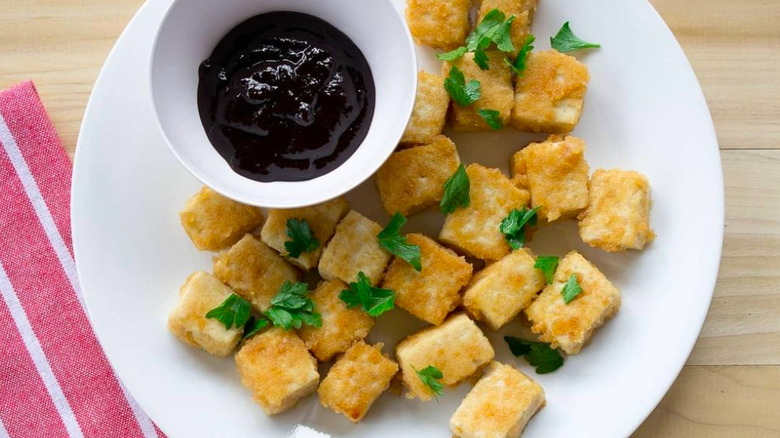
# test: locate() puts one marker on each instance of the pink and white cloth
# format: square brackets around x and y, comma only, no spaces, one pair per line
[55,380]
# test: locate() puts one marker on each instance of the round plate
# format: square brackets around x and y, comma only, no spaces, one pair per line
[644,110]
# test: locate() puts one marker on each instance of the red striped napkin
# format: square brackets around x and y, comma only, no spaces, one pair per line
[55,380]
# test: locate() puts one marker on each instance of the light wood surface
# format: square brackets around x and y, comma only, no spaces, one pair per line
[731,385]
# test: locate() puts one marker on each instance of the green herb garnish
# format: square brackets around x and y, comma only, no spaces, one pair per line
[538,354]
[391,240]
[514,226]
[233,312]
[452,55]
[462,93]
[494,28]
[456,191]
[372,300]
[571,289]
[430,377]
[291,307]
[547,265]
[481,59]
[253,326]
[301,238]
[518,66]
[566,41]
[492,118]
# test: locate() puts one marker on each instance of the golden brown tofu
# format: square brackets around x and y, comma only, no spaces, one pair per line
[474,230]
[278,369]
[354,248]
[523,10]
[458,348]
[500,291]
[197,296]
[356,380]
[341,326]
[495,86]
[430,109]
[499,406]
[556,175]
[442,24]
[215,222]
[618,217]
[433,292]
[570,326]
[413,179]
[254,271]
[549,94]
[322,220]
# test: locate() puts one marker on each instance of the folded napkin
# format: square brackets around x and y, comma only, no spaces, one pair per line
[55,380]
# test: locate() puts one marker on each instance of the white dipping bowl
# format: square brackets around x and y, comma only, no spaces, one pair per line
[190,31]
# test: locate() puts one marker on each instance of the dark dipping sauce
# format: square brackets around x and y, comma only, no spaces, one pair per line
[285,96]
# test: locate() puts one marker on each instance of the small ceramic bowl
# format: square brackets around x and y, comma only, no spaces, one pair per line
[190,31]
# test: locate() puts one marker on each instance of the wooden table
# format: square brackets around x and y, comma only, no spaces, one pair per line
[731,384]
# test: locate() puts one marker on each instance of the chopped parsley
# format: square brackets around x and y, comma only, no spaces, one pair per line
[518,66]
[514,226]
[462,93]
[430,377]
[571,289]
[566,41]
[493,29]
[547,265]
[538,354]
[492,118]
[372,300]
[253,326]
[452,55]
[391,240]
[456,191]
[233,312]
[291,307]
[301,238]
[481,59]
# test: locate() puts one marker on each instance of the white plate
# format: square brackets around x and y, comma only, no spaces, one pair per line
[644,110]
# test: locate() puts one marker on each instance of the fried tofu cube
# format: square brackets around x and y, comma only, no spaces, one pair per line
[556,175]
[354,248]
[254,271]
[430,109]
[458,348]
[441,24]
[618,217]
[356,380]
[214,222]
[322,220]
[500,291]
[474,230]
[549,94]
[570,326]
[413,179]
[278,369]
[495,86]
[523,10]
[341,327]
[197,296]
[499,406]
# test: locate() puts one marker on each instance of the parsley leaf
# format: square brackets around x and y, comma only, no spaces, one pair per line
[481,59]
[372,300]
[391,240]
[492,117]
[547,265]
[503,38]
[290,307]
[452,55]
[538,354]
[233,312]
[518,66]
[566,41]
[430,377]
[571,289]
[253,326]
[301,238]
[462,93]
[456,191]
[485,29]
[514,226]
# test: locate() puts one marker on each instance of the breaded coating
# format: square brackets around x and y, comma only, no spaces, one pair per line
[254,271]
[499,406]
[474,230]
[354,248]
[458,348]
[556,175]
[570,326]
[215,222]
[430,109]
[442,24]
[549,94]
[356,380]
[523,10]
[500,291]
[618,217]
[413,179]
[322,220]
[433,292]
[197,296]
[341,326]
[495,86]
[278,369]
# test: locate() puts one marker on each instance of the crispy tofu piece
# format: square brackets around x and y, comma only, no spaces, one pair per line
[254,271]
[441,24]
[433,292]
[430,109]
[458,348]
[341,326]
[523,10]
[570,326]
[618,217]
[556,175]
[214,222]
[197,296]
[356,380]
[499,405]
[322,220]
[495,86]
[474,230]
[500,291]
[354,248]
[278,369]
[413,179]
[549,94]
